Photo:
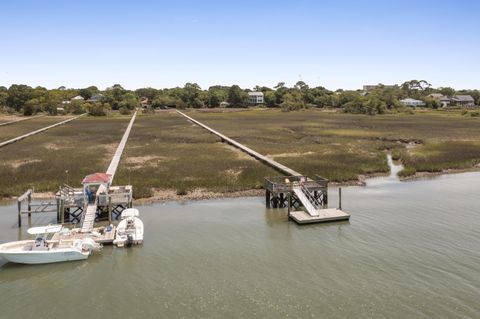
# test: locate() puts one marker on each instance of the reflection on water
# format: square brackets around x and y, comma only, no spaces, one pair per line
[410,250]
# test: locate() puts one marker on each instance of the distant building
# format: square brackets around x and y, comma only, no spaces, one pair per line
[78,98]
[463,100]
[255,97]
[145,102]
[457,100]
[96,98]
[412,102]
[444,100]
[224,104]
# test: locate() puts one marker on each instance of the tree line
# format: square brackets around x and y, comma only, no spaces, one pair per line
[381,99]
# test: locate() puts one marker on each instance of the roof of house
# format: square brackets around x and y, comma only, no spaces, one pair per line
[436,95]
[102,178]
[78,97]
[463,98]
[255,93]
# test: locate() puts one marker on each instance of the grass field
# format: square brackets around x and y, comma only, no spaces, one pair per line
[168,155]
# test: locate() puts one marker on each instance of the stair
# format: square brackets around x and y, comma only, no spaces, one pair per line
[303,197]
[89,218]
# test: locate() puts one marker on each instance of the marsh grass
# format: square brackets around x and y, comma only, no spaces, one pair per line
[166,152]
[440,156]
[13,130]
[347,145]
[82,146]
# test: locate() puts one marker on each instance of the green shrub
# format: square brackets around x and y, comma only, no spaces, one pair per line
[396,154]
[124,111]
[407,171]
[475,114]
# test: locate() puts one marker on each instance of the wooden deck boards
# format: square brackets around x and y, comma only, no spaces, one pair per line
[112,168]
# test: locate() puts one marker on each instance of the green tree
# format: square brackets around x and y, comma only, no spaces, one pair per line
[237,97]
[3,96]
[293,101]
[149,93]
[18,95]
[270,98]
[88,92]
[129,101]
[447,91]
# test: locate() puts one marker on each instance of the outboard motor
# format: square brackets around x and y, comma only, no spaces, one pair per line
[129,240]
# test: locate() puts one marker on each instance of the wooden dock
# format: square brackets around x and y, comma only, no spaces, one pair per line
[293,190]
[18,138]
[270,162]
[323,215]
[88,218]
[112,168]
[21,120]
[71,204]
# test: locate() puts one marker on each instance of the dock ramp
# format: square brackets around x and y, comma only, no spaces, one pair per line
[307,200]
[314,211]
[89,218]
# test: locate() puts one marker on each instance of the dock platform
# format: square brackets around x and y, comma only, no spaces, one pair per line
[324,215]
[100,235]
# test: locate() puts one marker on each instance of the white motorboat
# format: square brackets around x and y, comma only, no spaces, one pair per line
[130,229]
[43,251]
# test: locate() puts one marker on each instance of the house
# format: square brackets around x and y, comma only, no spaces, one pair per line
[255,97]
[224,104]
[78,98]
[96,98]
[412,102]
[145,102]
[463,100]
[444,100]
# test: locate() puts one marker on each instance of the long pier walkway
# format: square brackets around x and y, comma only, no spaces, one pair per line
[274,164]
[314,210]
[18,138]
[21,120]
[89,214]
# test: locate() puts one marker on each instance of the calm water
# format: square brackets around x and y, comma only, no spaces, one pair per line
[410,250]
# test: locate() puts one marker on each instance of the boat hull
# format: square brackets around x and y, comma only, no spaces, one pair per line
[14,253]
[125,236]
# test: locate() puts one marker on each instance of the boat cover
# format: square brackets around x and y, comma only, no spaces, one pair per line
[44,229]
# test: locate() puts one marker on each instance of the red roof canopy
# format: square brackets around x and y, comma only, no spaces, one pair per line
[101,178]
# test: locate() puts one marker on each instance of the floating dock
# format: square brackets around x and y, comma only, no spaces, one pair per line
[325,215]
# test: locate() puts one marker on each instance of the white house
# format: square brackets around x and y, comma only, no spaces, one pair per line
[255,97]
[412,102]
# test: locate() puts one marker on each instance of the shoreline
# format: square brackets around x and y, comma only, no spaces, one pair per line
[169,195]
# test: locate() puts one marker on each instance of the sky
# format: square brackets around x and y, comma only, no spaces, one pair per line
[335,44]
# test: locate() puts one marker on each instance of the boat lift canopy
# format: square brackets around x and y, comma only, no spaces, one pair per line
[130,212]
